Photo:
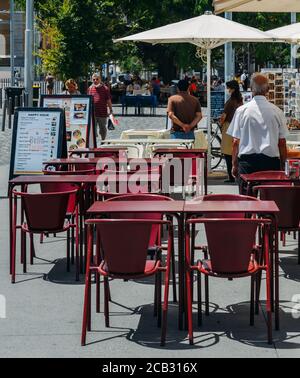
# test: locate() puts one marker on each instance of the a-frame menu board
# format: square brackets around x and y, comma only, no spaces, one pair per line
[38,135]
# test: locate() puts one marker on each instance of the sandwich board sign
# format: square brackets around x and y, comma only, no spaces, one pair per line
[38,136]
[78,109]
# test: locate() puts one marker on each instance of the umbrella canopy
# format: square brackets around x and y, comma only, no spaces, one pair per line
[206,31]
[256,6]
[289,33]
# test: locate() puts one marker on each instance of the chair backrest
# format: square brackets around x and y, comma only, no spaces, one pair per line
[155,233]
[46,211]
[124,244]
[230,244]
[287,199]
[62,187]
[265,173]
[227,197]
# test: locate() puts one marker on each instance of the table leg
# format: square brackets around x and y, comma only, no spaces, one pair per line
[181,258]
[23,237]
[276,255]
[10,197]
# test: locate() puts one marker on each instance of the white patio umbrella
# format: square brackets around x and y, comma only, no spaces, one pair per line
[256,6]
[206,32]
[290,33]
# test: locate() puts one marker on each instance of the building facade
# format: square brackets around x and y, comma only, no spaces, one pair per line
[19,36]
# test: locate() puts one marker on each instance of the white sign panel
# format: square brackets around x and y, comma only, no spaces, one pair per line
[36,139]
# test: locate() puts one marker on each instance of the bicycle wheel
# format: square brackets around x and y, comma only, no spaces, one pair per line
[216,154]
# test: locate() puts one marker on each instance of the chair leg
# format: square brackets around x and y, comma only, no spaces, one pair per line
[98,293]
[72,243]
[68,250]
[193,236]
[173,263]
[257,291]
[32,251]
[77,251]
[89,321]
[165,313]
[159,284]
[41,238]
[106,302]
[155,310]
[299,247]
[206,296]
[199,291]
[23,251]
[189,307]
[253,278]
[85,309]
[269,310]
[13,249]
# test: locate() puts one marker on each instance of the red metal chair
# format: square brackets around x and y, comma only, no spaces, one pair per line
[45,214]
[230,246]
[124,248]
[188,160]
[287,199]
[155,238]
[218,197]
[276,176]
[122,181]
[72,215]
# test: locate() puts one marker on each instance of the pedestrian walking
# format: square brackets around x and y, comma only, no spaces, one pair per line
[102,102]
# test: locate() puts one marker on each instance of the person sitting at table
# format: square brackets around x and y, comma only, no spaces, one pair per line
[136,86]
[185,112]
[259,131]
[71,87]
[129,89]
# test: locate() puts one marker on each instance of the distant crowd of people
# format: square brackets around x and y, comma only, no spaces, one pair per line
[253,134]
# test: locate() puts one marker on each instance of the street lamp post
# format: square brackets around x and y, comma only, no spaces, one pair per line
[293,58]
[228,74]
[29,52]
[12,41]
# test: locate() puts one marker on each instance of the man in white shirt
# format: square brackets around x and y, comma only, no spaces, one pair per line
[259,131]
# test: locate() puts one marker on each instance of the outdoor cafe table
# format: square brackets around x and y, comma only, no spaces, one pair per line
[172,208]
[88,180]
[261,178]
[94,161]
[261,208]
[99,151]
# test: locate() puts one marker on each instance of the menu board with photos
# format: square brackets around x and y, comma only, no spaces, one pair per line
[38,136]
[78,113]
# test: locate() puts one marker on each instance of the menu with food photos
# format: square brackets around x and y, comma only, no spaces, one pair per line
[78,113]
[38,136]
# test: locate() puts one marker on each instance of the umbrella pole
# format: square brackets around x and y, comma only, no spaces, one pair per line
[209,108]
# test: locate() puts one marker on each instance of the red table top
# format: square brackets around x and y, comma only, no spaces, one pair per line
[98,150]
[137,207]
[263,176]
[72,179]
[81,179]
[96,160]
[258,207]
